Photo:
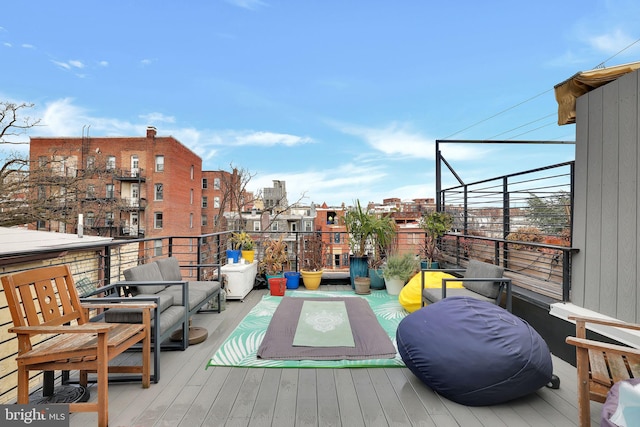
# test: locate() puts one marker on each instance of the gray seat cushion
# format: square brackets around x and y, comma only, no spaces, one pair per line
[477,270]
[209,287]
[145,273]
[170,317]
[435,294]
[195,296]
[169,269]
[132,315]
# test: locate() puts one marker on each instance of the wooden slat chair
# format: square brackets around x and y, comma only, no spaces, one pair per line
[45,301]
[600,364]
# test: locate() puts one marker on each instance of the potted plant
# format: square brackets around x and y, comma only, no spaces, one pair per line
[382,239]
[397,271]
[359,225]
[313,258]
[244,242]
[275,257]
[273,262]
[435,224]
[233,253]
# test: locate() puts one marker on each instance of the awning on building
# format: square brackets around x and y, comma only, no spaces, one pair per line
[583,82]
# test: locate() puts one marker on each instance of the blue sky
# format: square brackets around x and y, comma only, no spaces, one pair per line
[341,99]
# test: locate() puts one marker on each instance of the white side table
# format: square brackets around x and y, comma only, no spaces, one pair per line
[240,279]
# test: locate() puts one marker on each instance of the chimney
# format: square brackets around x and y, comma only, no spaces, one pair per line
[151,132]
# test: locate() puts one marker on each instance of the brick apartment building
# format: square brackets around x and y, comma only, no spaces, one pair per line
[132,186]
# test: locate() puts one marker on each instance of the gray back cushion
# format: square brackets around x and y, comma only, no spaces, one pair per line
[145,273]
[169,269]
[477,270]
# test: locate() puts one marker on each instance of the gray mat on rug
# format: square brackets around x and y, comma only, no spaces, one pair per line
[371,340]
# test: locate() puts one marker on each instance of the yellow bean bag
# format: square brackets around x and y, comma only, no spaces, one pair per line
[411,296]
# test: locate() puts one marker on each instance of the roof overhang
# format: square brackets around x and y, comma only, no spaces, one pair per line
[583,82]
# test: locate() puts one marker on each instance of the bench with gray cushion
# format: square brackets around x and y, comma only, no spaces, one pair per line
[480,280]
[161,282]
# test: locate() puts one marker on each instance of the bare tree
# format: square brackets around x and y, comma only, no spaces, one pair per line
[235,196]
[12,124]
[33,191]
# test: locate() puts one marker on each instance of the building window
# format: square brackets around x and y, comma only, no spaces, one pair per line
[157,220]
[159,163]
[216,183]
[274,226]
[111,163]
[205,183]
[108,219]
[192,171]
[216,219]
[203,221]
[307,226]
[135,165]
[42,192]
[205,202]
[216,202]
[91,191]
[191,220]
[42,161]
[157,247]
[256,225]
[191,196]
[91,162]
[89,219]
[336,238]
[110,194]
[159,192]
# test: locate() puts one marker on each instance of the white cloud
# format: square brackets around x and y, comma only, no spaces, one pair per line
[76,63]
[247,4]
[399,140]
[103,64]
[267,139]
[157,118]
[70,64]
[28,46]
[145,62]
[320,186]
[63,118]
[612,42]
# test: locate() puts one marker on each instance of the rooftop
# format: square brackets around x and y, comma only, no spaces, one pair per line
[190,395]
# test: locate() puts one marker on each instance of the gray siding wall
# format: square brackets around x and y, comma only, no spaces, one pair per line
[607,200]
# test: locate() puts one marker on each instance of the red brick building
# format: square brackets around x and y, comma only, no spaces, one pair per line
[132,186]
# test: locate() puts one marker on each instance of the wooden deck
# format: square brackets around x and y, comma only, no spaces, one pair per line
[190,395]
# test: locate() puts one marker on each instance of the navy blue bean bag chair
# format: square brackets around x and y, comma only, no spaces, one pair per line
[474,352]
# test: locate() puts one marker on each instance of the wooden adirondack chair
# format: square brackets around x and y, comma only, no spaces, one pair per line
[600,365]
[45,301]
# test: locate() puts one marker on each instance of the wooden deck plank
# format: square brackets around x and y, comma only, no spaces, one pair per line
[350,414]
[285,409]
[415,410]
[370,406]
[307,398]
[265,403]
[328,406]
[189,395]
[199,411]
[240,414]
[391,404]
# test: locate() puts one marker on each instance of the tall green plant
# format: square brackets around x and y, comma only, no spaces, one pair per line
[359,224]
[384,233]
[435,225]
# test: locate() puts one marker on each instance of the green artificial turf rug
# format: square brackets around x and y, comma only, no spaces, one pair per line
[241,347]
